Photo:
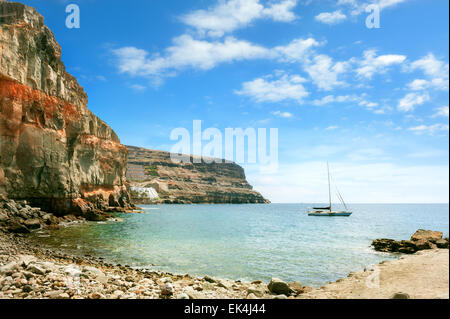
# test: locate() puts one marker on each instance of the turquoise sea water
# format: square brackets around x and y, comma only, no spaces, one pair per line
[251,242]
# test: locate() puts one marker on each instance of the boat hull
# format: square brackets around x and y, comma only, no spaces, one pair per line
[330,214]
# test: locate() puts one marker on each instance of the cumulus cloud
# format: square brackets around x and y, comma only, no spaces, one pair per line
[187,52]
[435,70]
[441,111]
[275,88]
[283,114]
[227,16]
[331,17]
[336,99]
[429,129]
[372,64]
[411,100]
[325,73]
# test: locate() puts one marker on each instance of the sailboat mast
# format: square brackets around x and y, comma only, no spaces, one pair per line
[329,184]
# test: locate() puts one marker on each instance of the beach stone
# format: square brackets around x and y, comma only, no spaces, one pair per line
[25,260]
[427,235]
[256,291]
[36,269]
[53,294]
[297,287]
[400,295]
[96,295]
[27,288]
[224,284]
[117,294]
[208,286]
[32,223]
[9,268]
[278,286]
[280,297]
[167,289]
[251,296]
[209,279]
[96,273]
[182,296]
[17,228]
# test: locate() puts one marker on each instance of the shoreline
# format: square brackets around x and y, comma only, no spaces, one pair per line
[28,271]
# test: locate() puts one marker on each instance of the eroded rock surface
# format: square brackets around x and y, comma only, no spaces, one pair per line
[190,182]
[54,152]
[420,240]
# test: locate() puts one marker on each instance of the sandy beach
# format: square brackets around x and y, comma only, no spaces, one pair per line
[423,275]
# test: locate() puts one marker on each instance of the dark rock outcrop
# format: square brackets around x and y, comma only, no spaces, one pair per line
[183,183]
[54,152]
[420,240]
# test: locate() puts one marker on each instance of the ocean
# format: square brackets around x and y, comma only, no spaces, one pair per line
[250,242]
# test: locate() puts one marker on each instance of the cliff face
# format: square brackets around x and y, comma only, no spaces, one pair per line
[54,152]
[188,182]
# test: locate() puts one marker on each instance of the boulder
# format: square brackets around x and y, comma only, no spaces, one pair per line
[400,295]
[385,245]
[17,228]
[96,216]
[442,243]
[428,235]
[32,223]
[297,287]
[423,244]
[279,287]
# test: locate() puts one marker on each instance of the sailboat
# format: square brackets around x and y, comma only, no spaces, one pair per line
[328,211]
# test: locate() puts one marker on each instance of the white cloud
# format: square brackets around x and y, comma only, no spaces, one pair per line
[429,129]
[187,52]
[357,7]
[336,99]
[325,73]
[299,50]
[268,89]
[332,128]
[411,100]
[373,64]
[227,16]
[441,111]
[283,114]
[434,69]
[331,17]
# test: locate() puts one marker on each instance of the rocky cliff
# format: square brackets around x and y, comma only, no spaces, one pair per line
[187,182]
[54,152]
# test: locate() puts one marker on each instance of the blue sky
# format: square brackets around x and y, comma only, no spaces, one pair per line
[373,102]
